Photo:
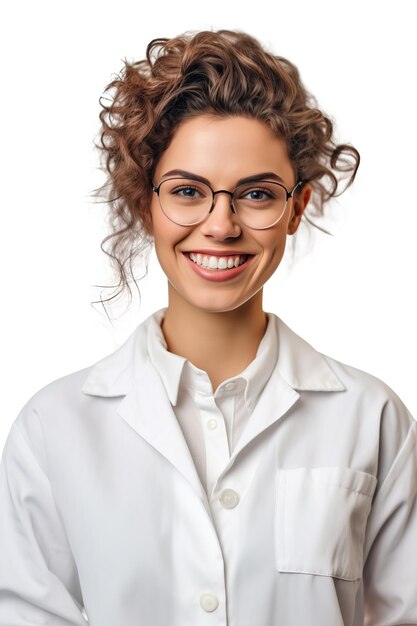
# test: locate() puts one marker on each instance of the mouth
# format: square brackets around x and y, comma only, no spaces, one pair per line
[216,263]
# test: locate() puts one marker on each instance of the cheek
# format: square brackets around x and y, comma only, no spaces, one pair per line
[273,247]
[166,234]
[160,227]
[273,243]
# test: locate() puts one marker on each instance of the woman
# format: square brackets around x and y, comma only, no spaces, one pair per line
[216,468]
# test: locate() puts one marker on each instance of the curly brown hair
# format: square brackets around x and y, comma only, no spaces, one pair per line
[223,73]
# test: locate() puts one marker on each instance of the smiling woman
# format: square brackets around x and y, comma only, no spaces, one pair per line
[217,75]
[223,151]
[215,462]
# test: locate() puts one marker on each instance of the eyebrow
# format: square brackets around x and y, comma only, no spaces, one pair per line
[241,181]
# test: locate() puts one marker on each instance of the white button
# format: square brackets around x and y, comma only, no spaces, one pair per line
[209,602]
[212,424]
[229,386]
[229,498]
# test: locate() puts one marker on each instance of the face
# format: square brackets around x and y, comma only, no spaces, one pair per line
[223,151]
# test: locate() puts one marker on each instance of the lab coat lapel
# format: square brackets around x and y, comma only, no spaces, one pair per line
[299,368]
[276,400]
[145,405]
[147,409]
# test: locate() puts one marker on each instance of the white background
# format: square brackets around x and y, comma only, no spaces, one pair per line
[353,297]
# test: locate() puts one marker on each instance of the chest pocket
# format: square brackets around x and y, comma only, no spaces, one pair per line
[320,520]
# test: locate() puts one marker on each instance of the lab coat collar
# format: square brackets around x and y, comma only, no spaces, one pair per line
[300,365]
[174,368]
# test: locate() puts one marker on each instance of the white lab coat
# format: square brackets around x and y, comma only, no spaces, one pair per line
[103,514]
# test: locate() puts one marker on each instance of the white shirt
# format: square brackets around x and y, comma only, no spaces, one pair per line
[312,522]
[212,423]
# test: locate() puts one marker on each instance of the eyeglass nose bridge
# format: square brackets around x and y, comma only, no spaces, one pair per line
[229,193]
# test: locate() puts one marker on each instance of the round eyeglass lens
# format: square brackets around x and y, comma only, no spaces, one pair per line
[260,205]
[184,201]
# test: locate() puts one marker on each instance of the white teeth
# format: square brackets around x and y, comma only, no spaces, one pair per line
[217,263]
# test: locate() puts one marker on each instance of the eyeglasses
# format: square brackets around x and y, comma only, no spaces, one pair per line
[259,205]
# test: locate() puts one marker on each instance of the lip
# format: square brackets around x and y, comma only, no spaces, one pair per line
[219,252]
[217,276]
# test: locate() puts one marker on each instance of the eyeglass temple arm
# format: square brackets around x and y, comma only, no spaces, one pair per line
[290,193]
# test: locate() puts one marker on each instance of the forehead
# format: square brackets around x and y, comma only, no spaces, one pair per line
[225,149]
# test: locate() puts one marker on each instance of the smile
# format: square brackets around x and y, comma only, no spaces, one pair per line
[217,262]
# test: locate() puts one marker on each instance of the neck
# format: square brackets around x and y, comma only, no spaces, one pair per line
[222,344]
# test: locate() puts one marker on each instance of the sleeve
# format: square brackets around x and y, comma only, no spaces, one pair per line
[38,577]
[390,552]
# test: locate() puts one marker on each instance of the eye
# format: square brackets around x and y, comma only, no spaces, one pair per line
[186,192]
[191,192]
[257,194]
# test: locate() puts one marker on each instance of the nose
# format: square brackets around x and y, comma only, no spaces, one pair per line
[221,223]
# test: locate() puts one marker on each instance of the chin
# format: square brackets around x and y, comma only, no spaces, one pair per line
[213,304]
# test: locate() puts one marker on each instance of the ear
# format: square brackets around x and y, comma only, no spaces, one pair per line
[299,203]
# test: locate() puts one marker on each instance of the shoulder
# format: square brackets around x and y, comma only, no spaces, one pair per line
[359,395]
[80,393]
[361,383]
[380,417]
[373,400]
[308,369]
